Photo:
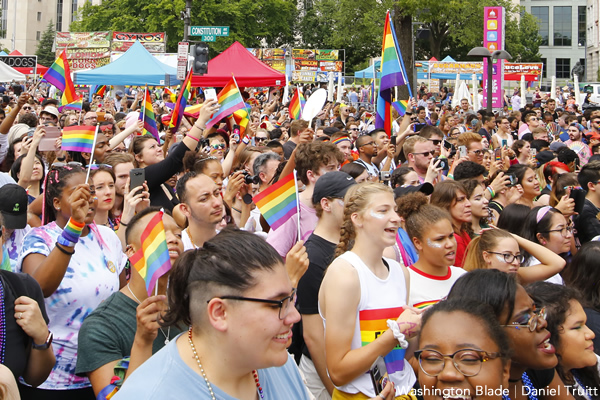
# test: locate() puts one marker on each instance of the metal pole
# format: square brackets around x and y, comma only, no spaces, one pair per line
[489,85]
[187,19]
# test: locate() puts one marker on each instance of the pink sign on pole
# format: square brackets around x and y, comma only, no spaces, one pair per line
[493,39]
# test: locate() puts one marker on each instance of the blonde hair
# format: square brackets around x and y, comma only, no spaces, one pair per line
[357,200]
[485,242]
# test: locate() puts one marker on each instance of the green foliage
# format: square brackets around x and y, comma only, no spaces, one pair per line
[250,22]
[45,54]
[523,39]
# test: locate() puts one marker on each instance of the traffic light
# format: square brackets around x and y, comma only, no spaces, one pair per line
[200,54]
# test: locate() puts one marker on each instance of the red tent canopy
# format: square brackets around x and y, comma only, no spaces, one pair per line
[41,70]
[248,70]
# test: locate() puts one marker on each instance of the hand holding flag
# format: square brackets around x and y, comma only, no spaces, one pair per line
[230,100]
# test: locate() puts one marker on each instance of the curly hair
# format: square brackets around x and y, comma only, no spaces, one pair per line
[312,156]
[419,215]
[56,180]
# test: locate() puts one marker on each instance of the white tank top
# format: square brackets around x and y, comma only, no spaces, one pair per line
[380,300]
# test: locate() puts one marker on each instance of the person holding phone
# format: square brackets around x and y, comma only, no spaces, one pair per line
[28,170]
[502,138]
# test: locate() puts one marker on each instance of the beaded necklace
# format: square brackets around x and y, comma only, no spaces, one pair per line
[259,389]
[2,324]
[530,388]
[582,390]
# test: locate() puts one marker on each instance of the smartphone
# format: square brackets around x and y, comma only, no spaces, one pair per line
[533,152]
[498,154]
[101,116]
[48,142]
[448,145]
[513,180]
[393,140]
[210,94]
[384,175]
[137,176]
[418,127]
[504,142]
[579,196]
[462,151]
[379,376]
[30,132]
[442,163]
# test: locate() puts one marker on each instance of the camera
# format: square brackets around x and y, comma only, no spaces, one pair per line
[249,179]
[384,175]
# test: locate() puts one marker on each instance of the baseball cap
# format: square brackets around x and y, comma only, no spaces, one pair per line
[119,93]
[332,184]
[13,206]
[426,188]
[554,146]
[16,131]
[545,156]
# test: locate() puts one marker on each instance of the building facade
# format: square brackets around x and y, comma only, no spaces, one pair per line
[593,41]
[24,21]
[562,25]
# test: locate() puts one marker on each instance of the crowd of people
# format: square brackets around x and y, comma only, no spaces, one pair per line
[455,255]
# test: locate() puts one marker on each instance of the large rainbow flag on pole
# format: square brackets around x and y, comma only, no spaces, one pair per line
[279,202]
[230,99]
[182,100]
[78,138]
[59,75]
[392,74]
[297,105]
[147,115]
[152,261]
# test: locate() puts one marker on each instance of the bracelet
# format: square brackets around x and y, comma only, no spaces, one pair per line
[491,190]
[450,176]
[196,126]
[65,242]
[393,325]
[245,140]
[122,223]
[72,232]
[57,245]
[235,209]
[191,137]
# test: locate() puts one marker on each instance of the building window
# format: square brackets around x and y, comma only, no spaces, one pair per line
[563,67]
[3,19]
[39,16]
[562,26]
[581,22]
[74,11]
[38,35]
[541,13]
[59,15]
[544,67]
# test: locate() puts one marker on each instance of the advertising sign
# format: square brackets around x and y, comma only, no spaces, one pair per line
[82,40]
[153,42]
[493,39]
[85,50]
[532,71]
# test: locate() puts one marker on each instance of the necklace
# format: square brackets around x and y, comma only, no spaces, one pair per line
[191,239]
[526,383]
[259,389]
[582,389]
[2,324]
[168,334]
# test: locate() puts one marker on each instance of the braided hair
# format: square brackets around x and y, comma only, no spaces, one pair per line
[56,180]
[357,199]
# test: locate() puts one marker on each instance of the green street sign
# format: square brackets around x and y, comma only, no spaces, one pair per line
[208,38]
[207,31]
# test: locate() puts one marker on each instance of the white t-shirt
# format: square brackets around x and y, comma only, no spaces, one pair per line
[556,279]
[426,290]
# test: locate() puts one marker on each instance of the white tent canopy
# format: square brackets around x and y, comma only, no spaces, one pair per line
[8,74]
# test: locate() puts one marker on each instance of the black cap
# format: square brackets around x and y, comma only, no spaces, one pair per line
[426,188]
[332,184]
[545,156]
[13,206]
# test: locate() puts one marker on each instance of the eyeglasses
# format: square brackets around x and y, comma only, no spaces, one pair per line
[435,141]
[596,122]
[563,231]
[509,258]
[218,146]
[367,144]
[106,127]
[258,139]
[26,108]
[98,166]
[119,150]
[477,152]
[466,361]
[353,129]
[69,164]
[532,321]
[426,153]
[533,119]
[284,304]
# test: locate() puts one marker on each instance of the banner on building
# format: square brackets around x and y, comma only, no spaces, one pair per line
[85,50]
[532,71]
[153,42]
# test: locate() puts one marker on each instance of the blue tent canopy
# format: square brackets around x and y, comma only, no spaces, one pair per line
[367,73]
[137,67]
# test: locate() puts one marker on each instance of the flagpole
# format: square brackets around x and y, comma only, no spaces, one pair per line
[301,110]
[87,177]
[144,102]
[297,204]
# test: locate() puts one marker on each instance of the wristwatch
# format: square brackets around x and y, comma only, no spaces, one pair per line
[46,344]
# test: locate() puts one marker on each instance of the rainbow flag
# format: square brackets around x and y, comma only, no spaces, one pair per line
[78,138]
[230,99]
[400,106]
[297,105]
[76,105]
[392,74]
[192,111]
[278,203]
[182,100]
[100,90]
[372,91]
[147,115]
[172,95]
[242,118]
[59,75]
[152,261]
[373,323]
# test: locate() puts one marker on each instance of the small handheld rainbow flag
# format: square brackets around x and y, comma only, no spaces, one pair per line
[147,115]
[241,118]
[400,106]
[76,105]
[230,99]
[59,75]
[182,100]
[100,90]
[172,95]
[152,261]
[297,105]
[279,202]
[78,138]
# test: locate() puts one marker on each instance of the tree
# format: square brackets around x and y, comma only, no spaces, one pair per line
[523,39]
[45,54]
[251,23]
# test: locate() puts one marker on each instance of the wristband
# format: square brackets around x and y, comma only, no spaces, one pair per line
[393,325]
[63,250]
[245,140]
[450,176]
[196,126]
[195,138]
[491,190]
[71,232]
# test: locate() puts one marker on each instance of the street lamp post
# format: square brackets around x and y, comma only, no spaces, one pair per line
[496,55]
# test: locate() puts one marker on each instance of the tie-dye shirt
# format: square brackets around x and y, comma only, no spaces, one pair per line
[13,245]
[92,276]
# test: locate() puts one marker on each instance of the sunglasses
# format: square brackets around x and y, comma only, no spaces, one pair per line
[258,139]
[435,141]
[426,153]
[106,127]
[218,146]
[98,166]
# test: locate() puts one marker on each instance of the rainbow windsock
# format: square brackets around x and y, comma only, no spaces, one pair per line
[278,203]
[152,261]
[392,74]
[297,105]
[59,75]
[78,138]
[182,100]
[230,99]
[147,115]
[372,323]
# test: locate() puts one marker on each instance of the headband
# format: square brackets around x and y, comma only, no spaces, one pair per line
[340,139]
[542,213]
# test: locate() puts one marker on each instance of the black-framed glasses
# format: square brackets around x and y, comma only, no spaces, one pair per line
[259,139]
[426,153]
[466,361]
[477,152]
[284,304]
[435,142]
[353,129]
[529,321]
[367,144]
[563,231]
[509,257]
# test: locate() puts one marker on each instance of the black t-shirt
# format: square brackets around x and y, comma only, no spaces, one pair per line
[540,378]
[586,223]
[18,343]
[157,174]
[320,255]
[288,149]
[593,322]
